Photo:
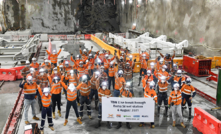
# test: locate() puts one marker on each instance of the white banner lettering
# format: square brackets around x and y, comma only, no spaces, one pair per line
[128,109]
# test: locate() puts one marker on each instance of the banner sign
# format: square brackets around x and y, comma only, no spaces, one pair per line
[128,109]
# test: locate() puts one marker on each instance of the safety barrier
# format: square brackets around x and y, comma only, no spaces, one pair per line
[87,37]
[18,72]
[206,123]
[14,116]
[7,74]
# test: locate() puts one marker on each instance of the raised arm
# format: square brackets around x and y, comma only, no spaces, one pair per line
[160,54]
[48,52]
[173,54]
[97,83]
[39,90]
[59,52]
[63,85]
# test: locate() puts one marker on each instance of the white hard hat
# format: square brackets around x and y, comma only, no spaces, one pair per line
[144,55]
[46,90]
[90,55]
[61,66]
[29,78]
[152,83]
[47,60]
[148,71]
[86,61]
[54,51]
[56,78]
[85,50]
[120,72]
[152,64]
[81,62]
[66,62]
[179,71]
[164,66]
[163,78]
[97,72]
[112,62]
[102,67]
[71,87]
[188,79]
[32,69]
[106,55]
[161,60]
[176,85]
[104,83]
[122,52]
[131,56]
[27,62]
[84,77]
[127,63]
[55,68]
[121,57]
[72,71]
[78,56]
[41,70]
[33,58]
[128,84]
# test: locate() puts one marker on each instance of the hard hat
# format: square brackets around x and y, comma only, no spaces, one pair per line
[176,85]
[87,61]
[71,71]
[152,64]
[179,71]
[33,58]
[152,83]
[47,60]
[120,72]
[174,65]
[27,62]
[54,51]
[78,56]
[161,60]
[71,87]
[32,69]
[104,83]
[90,55]
[81,62]
[127,63]
[55,68]
[131,56]
[29,78]
[163,78]
[98,60]
[46,90]
[128,84]
[61,66]
[84,78]
[97,73]
[41,70]
[106,55]
[188,80]
[56,78]
[102,67]
[148,72]
[122,52]
[85,50]
[66,62]
[112,62]
[164,66]
[121,57]
[143,55]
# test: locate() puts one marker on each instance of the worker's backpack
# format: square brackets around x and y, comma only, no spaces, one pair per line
[34,130]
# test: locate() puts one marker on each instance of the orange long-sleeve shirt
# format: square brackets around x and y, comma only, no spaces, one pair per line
[176,98]
[53,57]
[84,56]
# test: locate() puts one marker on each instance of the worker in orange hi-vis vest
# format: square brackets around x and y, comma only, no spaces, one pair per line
[46,108]
[152,68]
[128,76]
[159,63]
[85,54]
[103,91]
[144,65]
[175,100]
[33,73]
[146,79]
[34,64]
[150,93]
[76,61]
[55,73]
[56,87]
[188,93]
[81,69]
[107,62]
[30,91]
[118,78]
[104,76]
[124,93]
[44,63]
[178,78]
[54,56]
[111,72]
[91,61]
[26,70]
[168,60]
[47,67]
[162,94]
[94,89]
[163,72]
[102,55]
[131,61]
[85,88]
[71,101]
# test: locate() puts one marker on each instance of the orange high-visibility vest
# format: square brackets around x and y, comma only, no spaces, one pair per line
[163,86]
[30,89]
[150,93]
[103,93]
[72,80]
[175,98]
[53,57]
[187,89]
[85,89]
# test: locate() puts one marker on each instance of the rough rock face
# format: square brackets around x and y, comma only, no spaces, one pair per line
[58,16]
[97,16]
[198,21]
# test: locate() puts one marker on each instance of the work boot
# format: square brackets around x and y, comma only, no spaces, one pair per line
[152,126]
[128,125]
[79,120]
[80,117]
[99,124]
[27,122]
[174,123]
[109,125]
[89,116]
[141,125]
[65,123]
[35,118]
[182,124]
[189,113]
[78,104]
[52,128]
[119,125]
[59,113]
[53,115]
[42,131]
[158,110]
[63,93]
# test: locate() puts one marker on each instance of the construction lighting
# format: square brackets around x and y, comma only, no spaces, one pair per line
[97,73]
[130,1]
[134,24]
[139,1]
[122,2]
[131,56]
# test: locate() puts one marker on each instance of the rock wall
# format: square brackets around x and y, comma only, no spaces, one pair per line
[59,16]
[198,21]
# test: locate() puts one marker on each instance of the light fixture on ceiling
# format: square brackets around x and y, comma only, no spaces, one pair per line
[130,1]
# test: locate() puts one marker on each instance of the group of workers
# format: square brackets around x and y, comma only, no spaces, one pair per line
[91,76]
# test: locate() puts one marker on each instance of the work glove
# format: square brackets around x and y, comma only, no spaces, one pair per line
[61,46]
[71,54]
[74,57]
[168,106]
[91,47]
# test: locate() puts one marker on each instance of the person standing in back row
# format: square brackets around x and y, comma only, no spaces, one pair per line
[54,56]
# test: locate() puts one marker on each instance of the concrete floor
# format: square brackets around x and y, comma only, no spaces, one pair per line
[163,124]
